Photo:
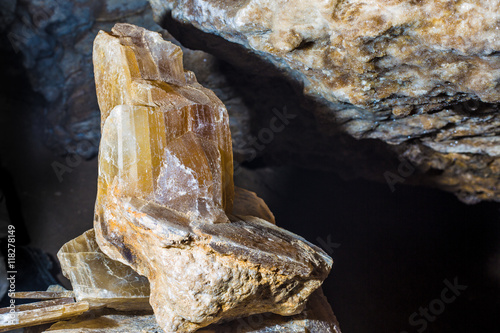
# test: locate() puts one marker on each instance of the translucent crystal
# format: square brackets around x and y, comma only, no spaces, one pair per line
[99,280]
[160,128]
[39,313]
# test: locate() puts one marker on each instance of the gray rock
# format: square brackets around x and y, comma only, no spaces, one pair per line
[55,39]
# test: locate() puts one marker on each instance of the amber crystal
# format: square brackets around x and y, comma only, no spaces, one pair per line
[165,137]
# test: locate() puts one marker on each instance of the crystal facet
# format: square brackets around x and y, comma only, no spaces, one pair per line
[99,280]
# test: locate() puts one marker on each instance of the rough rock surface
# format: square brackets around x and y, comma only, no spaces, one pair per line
[422,76]
[165,196]
[101,281]
[203,273]
[84,264]
[316,318]
[362,53]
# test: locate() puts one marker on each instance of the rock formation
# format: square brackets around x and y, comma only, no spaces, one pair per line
[166,194]
[103,282]
[410,80]
[421,76]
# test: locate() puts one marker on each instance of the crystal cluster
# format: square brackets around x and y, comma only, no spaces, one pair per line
[166,195]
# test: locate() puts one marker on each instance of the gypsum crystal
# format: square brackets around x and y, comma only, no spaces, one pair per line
[165,194]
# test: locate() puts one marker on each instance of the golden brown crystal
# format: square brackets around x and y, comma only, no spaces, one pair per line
[169,130]
[41,313]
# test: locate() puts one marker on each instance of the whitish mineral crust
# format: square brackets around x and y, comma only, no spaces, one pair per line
[422,75]
[165,196]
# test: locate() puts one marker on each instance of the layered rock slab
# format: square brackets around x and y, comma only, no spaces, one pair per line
[100,281]
[165,196]
[403,72]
